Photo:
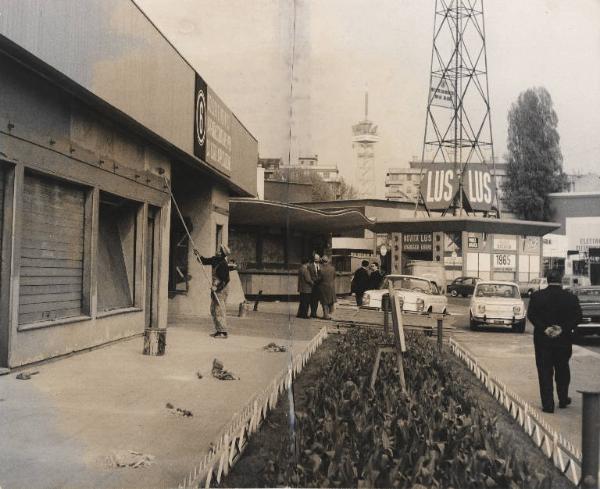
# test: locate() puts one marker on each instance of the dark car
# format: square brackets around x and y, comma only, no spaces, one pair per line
[462,286]
[589,298]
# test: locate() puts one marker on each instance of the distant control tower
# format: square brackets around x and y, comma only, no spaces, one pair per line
[363,143]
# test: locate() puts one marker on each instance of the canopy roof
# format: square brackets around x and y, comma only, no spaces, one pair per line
[249,211]
[253,212]
[465,223]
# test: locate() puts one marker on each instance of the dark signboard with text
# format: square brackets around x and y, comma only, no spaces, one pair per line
[417,242]
[212,128]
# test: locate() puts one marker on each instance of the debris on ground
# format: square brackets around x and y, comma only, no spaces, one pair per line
[199,375]
[129,458]
[179,411]
[27,375]
[275,348]
[218,372]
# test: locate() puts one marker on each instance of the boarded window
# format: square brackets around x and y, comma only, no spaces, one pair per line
[116,252]
[51,274]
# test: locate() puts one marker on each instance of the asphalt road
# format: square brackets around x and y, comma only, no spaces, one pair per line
[459,308]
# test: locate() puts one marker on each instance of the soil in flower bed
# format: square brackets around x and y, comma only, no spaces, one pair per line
[447,432]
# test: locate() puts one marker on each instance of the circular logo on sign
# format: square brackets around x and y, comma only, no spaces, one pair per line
[200,125]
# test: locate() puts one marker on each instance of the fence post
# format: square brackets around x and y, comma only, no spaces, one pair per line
[386,306]
[440,339]
[257,300]
[590,439]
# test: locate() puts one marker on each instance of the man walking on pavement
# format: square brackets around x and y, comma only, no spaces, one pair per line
[218,293]
[315,275]
[555,314]
[360,282]
[305,286]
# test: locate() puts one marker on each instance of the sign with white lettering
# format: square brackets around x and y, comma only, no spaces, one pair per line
[504,262]
[417,242]
[440,185]
[505,243]
[218,131]
[583,233]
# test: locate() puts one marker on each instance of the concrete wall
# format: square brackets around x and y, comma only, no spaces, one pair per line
[567,205]
[206,207]
[288,192]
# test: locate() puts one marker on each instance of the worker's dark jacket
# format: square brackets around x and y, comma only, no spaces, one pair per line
[220,270]
[554,306]
[360,281]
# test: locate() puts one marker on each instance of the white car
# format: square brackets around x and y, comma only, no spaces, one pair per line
[497,304]
[418,294]
[528,288]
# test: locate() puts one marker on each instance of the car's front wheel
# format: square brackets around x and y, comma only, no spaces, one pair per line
[473,324]
[454,293]
[519,327]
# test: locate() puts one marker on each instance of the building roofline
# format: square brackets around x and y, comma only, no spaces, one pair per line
[574,195]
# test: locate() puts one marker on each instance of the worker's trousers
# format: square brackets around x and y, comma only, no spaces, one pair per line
[218,310]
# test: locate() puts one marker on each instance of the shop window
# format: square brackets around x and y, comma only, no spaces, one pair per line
[219,238]
[179,251]
[52,244]
[117,250]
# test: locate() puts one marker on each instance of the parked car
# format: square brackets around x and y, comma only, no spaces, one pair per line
[431,270]
[497,304]
[462,286]
[571,282]
[528,288]
[418,294]
[589,298]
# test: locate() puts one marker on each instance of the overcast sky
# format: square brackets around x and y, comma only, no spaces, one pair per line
[243,49]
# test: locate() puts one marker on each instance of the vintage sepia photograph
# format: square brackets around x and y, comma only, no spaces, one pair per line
[299,243]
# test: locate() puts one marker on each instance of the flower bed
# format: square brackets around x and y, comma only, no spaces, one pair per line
[435,435]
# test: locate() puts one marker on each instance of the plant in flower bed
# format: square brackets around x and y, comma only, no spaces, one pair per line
[433,435]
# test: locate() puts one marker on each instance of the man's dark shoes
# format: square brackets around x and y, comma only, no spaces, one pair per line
[548,409]
[563,405]
[219,335]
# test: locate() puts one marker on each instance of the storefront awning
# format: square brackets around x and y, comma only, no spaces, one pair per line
[253,212]
[465,223]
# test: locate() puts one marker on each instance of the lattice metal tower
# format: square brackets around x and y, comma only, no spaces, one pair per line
[363,143]
[458,127]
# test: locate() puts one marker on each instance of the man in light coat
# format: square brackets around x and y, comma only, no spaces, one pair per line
[327,287]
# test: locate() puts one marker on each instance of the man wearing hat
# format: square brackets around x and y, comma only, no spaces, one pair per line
[218,293]
[555,314]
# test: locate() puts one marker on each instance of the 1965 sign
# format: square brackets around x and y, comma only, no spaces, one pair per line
[504,261]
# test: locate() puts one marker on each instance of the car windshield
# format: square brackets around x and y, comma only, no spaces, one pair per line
[497,290]
[588,295]
[410,283]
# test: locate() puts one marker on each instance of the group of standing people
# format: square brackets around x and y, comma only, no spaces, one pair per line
[367,277]
[316,284]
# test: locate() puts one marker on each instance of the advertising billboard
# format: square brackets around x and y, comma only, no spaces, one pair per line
[440,185]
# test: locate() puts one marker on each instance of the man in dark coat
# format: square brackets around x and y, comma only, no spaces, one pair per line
[315,275]
[305,286]
[218,293]
[375,277]
[555,314]
[327,287]
[360,282]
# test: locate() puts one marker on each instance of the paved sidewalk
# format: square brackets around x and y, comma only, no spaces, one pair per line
[57,429]
[514,364]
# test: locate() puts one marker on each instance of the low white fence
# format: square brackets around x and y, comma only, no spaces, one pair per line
[230,444]
[562,452]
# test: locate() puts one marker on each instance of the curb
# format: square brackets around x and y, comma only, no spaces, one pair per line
[553,445]
[231,443]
